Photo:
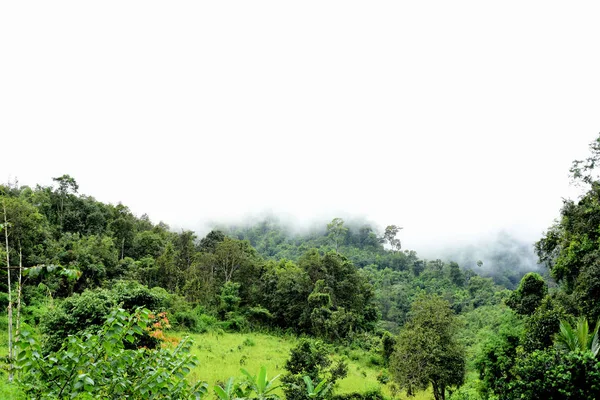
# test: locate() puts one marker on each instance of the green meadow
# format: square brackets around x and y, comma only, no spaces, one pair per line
[222,355]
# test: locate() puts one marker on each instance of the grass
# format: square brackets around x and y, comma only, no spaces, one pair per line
[222,355]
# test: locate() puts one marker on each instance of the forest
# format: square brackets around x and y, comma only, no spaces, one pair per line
[101,303]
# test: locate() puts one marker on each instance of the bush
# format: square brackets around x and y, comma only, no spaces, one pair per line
[79,313]
[549,374]
[234,322]
[187,320]
[206,323]
[259,316]
[86,312]
[310,358]
[132,294]
[99,365]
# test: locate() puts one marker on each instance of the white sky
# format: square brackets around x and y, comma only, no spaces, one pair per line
[452,119]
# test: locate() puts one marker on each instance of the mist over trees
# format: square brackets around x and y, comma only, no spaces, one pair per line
[487,323]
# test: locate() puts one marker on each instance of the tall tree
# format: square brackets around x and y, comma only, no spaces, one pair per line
[66,185]
[336,232]
[122,227]
[569,248]
[389,237]
[427,350]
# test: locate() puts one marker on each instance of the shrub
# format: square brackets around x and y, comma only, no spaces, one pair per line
[79,313]
[187,320]
[206,323]
[234,322]
[87,311]
[99,366]
[310,358]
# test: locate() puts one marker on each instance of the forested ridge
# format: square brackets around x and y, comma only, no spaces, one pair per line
[98,302]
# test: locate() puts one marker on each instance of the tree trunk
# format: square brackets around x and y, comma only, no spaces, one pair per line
[10,319]
[19,290]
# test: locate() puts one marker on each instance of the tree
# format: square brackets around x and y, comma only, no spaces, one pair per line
[122,227]
[529,295]
[167,269]
[231,255]
[496,361]
[66,185]
[336,232]
[389,237]
[309,359]
[185,249]
[427,351]
[209,243]
[554,375]
[543,325]
[456,275]
[569,247]
[584,171]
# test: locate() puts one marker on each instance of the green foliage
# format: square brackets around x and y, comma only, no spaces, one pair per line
[99,366]
[543,324]
[389,237]
[427,351]
[552,375]
[456,275]
[78,313]
[373,394]
[87,311]
[579,338]
[230,297]
[229,391]
[496,361]
[260,384]
[388,342]
[529,295]
[209,243]
[315,392]
[334,282]
[336,232]
[310,359]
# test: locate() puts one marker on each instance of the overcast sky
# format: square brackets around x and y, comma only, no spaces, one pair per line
[451,119]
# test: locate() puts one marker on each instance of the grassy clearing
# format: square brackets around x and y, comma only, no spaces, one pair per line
[222,355]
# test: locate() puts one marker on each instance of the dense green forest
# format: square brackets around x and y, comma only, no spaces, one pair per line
[99,302]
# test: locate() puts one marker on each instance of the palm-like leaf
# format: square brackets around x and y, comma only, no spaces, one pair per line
[579,339]
[567,338]
[261,385]
[314,392]
[309,385]
[595,346]
[583,333]
[225,393]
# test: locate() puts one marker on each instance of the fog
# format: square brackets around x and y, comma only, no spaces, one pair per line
[456,121]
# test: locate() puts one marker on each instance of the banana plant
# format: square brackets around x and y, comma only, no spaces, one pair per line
[320,391]
[261,385]
[227,392]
